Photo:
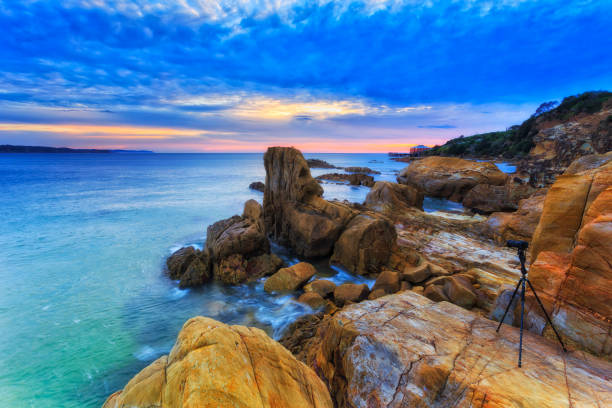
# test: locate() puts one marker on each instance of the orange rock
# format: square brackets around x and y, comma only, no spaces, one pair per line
[312,299]
[291,278]
[562,214]
[350,292]
[325,288]
[216,365]
[573,268]
[450,177]
[520,224]
[405,351]
[391,198]
[365,245]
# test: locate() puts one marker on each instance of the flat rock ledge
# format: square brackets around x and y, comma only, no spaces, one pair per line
[404,350]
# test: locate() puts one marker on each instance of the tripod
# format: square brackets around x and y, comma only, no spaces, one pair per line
[522,246]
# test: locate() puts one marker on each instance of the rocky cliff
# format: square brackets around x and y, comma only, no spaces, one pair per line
[572,253]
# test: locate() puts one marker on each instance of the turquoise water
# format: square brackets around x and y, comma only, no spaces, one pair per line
[84,303]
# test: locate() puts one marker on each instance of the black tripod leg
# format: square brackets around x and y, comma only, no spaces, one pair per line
[509,304]
[522,314]
[546,314]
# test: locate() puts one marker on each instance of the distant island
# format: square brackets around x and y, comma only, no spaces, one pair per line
[47,149]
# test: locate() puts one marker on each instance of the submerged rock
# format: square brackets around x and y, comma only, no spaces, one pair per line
[216,365]
[405,351]
[320,164]
[361,170]
[291,278]
[257,185]
[353,179]
[450,177]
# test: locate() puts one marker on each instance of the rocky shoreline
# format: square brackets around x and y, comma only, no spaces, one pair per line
[423,334]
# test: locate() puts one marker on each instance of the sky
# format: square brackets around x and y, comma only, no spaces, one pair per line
[320,75]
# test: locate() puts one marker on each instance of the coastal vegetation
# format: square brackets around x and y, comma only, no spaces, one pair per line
[517,141]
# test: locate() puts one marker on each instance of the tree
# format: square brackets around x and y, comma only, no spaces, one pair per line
[545,107]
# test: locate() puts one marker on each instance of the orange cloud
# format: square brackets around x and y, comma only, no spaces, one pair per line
[107,132]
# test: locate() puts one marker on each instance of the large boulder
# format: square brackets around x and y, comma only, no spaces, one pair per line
[487,198]
[566,202]
[295,214]
[190,266]
[403,350]
[365,245]
[450,177]
[520,224]
[216,365]
[291,278]
[393,198]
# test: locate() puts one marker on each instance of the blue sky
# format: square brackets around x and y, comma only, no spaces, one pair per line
[374,75]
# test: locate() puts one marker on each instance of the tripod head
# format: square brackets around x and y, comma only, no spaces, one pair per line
[521,246]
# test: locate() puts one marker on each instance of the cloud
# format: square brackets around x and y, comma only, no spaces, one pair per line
[296,66]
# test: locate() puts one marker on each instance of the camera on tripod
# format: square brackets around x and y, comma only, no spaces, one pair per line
[521,246]
[517,244]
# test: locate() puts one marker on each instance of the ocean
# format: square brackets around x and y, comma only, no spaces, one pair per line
[84,302]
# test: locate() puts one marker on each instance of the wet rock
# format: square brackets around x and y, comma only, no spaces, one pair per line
[191,267]
[323,287]
[350,292]
[361,170]
[450,177]
[388,282]
[353,179]
[365,245]
[312,299]
[291,278]
[376,293]
[391,198]
[257,185]
[231,270]
[295,214]
[263,265]
[216,365]
[440,355]
[243,235]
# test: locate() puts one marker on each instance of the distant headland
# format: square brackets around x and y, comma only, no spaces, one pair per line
[47,149]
